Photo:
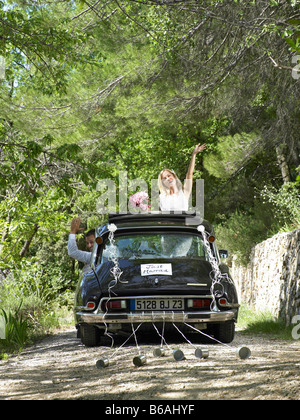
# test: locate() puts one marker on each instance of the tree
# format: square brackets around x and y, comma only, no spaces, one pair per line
[92,88]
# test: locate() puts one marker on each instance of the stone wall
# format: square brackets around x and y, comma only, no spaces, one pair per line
[271,280]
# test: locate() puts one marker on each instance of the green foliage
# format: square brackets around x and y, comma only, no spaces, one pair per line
[231,153]
[244,229]
[16,330]
[30,298]
[43,48]
[145,156]
[24,220]
[274,211]
[286,205]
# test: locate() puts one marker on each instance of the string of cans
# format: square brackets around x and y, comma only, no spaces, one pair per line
[139,360]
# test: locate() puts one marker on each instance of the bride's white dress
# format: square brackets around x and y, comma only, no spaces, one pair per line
[173,202]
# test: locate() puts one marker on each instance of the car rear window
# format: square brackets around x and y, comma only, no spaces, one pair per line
[153,246]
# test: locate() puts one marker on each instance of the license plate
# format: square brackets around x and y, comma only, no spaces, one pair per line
[159,304]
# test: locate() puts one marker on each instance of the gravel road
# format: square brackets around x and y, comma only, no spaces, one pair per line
[60,367]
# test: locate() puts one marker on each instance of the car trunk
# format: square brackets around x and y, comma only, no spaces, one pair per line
[185,276]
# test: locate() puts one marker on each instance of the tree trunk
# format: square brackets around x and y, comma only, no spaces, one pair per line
[282,162]
[26,246]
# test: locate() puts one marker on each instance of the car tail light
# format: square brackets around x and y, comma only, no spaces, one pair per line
[91,305]
[198,303]
[224,302]
[116,304]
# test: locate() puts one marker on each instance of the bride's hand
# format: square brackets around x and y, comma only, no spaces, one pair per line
[199,148]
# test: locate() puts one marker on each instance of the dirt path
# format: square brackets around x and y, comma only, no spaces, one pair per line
[59,367]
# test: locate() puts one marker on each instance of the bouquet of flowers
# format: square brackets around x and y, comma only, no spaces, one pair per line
[139,200]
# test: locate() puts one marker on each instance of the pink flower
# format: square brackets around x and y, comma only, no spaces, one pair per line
[139,199]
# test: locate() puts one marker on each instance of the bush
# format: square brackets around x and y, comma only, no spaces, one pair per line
[16,329]
[243,230]
[286,205]
[30,301]
[273,211]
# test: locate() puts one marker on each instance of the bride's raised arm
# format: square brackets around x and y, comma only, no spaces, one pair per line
[188,182]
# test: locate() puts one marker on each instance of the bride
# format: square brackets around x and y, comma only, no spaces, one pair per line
[172,195]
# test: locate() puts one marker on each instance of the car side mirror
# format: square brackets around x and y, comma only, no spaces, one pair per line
[223,253]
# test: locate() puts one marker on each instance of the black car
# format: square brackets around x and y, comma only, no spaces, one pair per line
[155,269]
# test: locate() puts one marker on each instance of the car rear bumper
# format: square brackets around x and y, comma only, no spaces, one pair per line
[144,317]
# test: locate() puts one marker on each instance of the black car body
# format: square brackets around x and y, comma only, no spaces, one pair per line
[154,269]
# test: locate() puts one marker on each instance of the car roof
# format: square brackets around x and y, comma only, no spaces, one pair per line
[155,220]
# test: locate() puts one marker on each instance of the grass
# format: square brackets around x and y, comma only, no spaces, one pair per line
[22,329]
[29,310]
[16,328]
[251,322]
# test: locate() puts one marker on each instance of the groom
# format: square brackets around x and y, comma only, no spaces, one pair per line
[74,252]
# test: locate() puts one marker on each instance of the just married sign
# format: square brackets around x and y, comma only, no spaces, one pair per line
[156,269]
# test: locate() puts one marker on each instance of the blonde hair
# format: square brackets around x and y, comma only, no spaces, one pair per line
[162,188]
